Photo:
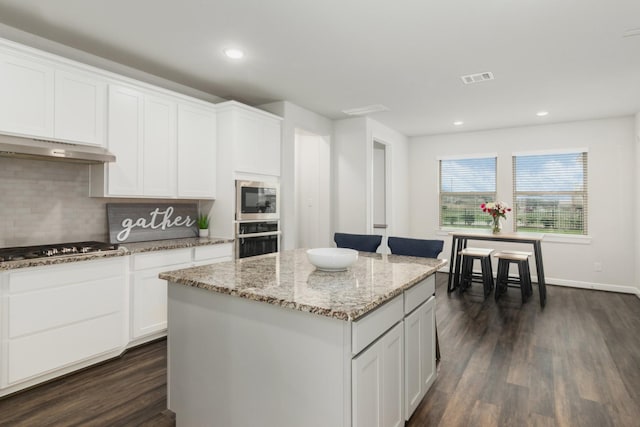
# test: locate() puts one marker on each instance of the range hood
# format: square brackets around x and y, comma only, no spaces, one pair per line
[39,149]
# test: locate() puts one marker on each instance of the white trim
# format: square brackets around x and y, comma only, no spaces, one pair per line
[594,286]
[468,156]
[567,238]
[551,151]
[607,287]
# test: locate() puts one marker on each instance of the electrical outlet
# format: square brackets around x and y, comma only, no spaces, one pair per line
[597,266]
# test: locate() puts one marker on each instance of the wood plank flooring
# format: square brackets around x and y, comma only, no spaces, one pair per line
[574,363]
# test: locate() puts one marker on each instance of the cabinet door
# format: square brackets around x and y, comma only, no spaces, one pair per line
[258,144]
[125,141]
[420,358]
[159,148]
[26,103]
[79,108]
[149,302]
[377,382]
[63,314]
[196,152]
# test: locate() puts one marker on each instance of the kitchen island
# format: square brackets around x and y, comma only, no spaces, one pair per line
[271,341]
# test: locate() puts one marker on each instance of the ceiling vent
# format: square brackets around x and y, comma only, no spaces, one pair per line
[363,111]
[477,78]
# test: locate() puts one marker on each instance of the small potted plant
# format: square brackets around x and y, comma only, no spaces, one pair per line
[203,225]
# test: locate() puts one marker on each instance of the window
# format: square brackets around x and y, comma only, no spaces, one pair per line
[464,185]
[550,193]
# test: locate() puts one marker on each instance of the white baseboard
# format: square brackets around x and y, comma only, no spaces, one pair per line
[579,284]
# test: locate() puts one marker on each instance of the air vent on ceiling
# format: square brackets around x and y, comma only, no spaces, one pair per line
[368,109]
[477,78]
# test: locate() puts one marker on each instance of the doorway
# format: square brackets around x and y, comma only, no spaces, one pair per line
[312,190]
[380,196]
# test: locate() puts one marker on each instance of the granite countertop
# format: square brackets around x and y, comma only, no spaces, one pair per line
[159,245]
[288,279]
[123,250]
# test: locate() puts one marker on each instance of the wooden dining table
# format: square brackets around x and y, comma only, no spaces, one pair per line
[461,238]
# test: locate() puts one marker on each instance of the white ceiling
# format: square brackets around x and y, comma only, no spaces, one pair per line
[565,56]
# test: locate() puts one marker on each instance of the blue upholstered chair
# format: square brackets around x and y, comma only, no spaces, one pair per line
[359,242]
[415,247]
[420,248]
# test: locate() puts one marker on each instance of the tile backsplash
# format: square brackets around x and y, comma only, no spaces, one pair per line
[44,202]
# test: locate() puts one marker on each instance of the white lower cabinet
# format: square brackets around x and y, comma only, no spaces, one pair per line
[419,354]
[377,382]
[59,317]
[149,293]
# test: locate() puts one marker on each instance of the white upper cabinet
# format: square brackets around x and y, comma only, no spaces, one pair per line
[80,103]
[124,177]
[255,136]
[196,152]
[159,147]
[26,96]
[142,136]
[45,99]
[165,147]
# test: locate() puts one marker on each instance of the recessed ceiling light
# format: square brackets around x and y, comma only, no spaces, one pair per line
[458,123]
[542,113]
[233,53]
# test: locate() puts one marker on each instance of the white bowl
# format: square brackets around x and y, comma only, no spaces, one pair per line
[332,259]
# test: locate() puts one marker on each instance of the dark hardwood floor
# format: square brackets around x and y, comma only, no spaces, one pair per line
[574,363]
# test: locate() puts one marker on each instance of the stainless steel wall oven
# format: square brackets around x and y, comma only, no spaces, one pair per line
[257,238]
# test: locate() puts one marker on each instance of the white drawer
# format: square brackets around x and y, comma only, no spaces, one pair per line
[50,276]
[416,295]
[44,309]
[161,258]
[213,251]
[55,348]
[367,329]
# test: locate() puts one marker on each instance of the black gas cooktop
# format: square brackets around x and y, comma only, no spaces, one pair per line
[43,251]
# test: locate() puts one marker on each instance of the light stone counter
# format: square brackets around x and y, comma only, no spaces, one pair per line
[123,250]
[288,279]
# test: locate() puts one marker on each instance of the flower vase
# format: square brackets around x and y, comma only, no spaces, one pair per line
[497,225]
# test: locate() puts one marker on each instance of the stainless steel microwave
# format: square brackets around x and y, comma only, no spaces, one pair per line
[257,200]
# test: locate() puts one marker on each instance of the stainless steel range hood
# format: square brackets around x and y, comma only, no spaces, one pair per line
[38,149]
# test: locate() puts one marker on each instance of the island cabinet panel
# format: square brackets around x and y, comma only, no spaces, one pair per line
[236,362]
[378,382]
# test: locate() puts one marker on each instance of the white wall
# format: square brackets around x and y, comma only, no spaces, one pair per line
[612,189]
[312,191]
[296,117]
[637,196]
[397,158]
[353,179]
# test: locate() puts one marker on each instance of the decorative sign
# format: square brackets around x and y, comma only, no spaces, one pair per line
[141,222]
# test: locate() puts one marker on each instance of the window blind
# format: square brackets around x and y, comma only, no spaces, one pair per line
[550,193]
[464,185]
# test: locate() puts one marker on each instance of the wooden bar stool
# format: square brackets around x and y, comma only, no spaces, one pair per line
[469,255]
[523,281]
